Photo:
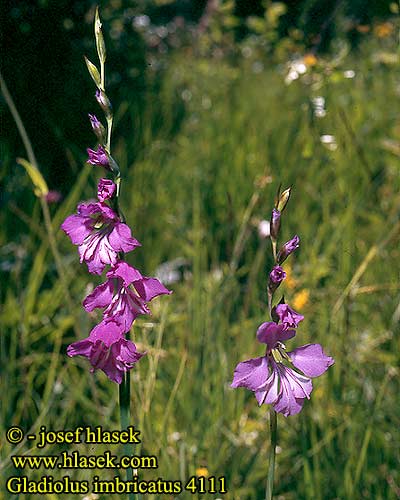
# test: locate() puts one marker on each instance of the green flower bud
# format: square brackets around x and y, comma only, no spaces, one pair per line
[101,47]
[283,199]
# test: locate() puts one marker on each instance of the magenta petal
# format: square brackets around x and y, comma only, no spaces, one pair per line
[126,272]
[125,352]
[96,251]
[108,213]
[105,189]
[107,331]
[311,360]
[270,333]
[121,358]
[288,405]
[294,389]
[100,297]
[80,348]
[87,209]
[268,393]
[77,227]
[251,373]
[148,288]
[121,238]
[288,316]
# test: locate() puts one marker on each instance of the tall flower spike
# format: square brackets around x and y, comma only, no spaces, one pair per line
[103,238]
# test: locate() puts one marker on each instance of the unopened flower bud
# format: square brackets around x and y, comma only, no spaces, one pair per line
[105,189]
[275,223]
[100,45]
[288,316]
[289,247]
[104,102]
[98,128]
[276,276]
[98,157]
[283,199]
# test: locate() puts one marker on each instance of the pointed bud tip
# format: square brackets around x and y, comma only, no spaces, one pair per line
[283,199]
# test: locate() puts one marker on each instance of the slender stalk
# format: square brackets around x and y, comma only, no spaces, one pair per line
[274,249]
[102,76]
[125,417]
[109,128]
[272,454]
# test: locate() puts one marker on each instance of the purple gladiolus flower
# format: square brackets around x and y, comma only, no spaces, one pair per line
[105,189]
[288,316]
[277,275]
[275,383]
[124,295]
[108,350]
[99,234]
[289,247]
[98,157]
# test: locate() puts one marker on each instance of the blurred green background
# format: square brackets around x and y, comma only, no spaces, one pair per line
[216,104]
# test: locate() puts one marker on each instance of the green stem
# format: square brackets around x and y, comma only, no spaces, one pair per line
[125,418]
[109,128]
[272,453]
[102,76]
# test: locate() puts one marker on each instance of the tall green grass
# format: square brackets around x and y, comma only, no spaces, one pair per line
[200,196]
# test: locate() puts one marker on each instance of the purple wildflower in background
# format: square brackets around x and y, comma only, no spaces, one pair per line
[288,248]
[288,316]
[107,349]
[124,295]
[98,157]
[275,383]
[105,189]
[99,234]
[53,196]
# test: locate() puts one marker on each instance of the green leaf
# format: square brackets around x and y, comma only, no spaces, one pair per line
[94,72]
[40,186]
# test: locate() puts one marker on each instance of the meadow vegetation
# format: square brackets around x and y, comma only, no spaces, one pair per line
[195,196]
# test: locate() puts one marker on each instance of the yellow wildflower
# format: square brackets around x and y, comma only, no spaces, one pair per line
[310,60]
[202,471]
[300,300]
[383,30]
